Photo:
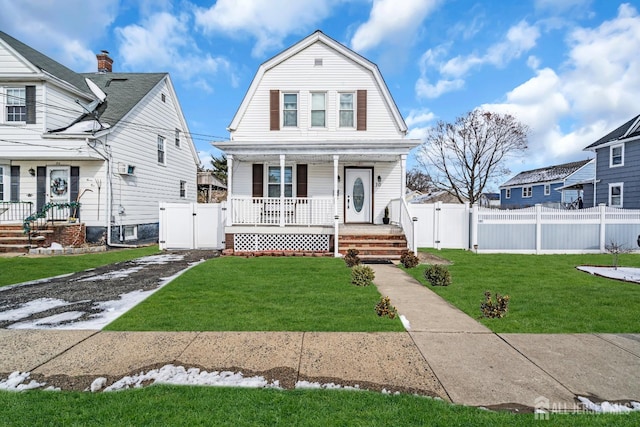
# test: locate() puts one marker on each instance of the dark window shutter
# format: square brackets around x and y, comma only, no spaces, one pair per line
[274,110]
[258,180]
[301,180]
[15,183]
[41,187]
[362,110]
[30,101]
[74,186]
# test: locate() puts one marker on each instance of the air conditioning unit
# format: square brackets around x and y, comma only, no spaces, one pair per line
[125,169]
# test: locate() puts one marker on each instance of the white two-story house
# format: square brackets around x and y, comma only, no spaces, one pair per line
[117,143]
[317,145]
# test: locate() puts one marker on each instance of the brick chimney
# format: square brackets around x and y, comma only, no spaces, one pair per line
[104,62]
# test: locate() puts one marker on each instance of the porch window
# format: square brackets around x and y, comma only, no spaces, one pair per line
[290,113]
[318,110]
[615,195]
[526,192]
[616,155]
[275,180]
[16,105]
[183,189]
[161,152]
[346,110]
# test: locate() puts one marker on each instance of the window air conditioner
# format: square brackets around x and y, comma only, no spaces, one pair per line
[124,169]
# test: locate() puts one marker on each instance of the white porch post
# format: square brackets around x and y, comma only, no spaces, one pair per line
[336,252]
[282,186]
[403,175]
[230,190]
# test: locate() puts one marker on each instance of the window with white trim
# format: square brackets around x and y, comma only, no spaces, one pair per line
[16,104]
[290,113]
[129,232]
[183,189]
[616,155]
[274,180]
[161,153]
[318,109]
[177,137]
[507,193]
[547,189]
[527,192]
[346,112]
[615,194]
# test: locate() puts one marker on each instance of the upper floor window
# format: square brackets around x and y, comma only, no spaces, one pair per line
[275,179]
[183,189]
[547,189]
[161,152]
[346,110]
[616,155]
[16,105]
[507,193]
[177,137]
[615,195]
[526,192]
[318,109]
[290,113]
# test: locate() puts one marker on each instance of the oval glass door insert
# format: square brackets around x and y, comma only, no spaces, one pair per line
[358,195]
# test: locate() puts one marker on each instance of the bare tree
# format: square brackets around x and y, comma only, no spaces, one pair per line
[464,156]
[419,181]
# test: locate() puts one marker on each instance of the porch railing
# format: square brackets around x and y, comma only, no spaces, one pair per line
[400,215]
[303,211]
[15,211]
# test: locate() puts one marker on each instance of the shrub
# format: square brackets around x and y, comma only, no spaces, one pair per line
[385,309]
[351,258]
[409,260]
[438,275]
[362,275]
[495,309]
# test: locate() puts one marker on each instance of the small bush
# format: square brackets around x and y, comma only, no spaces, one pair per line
[362,275]
[351,258]
[385,309]
[438,275]
[497,309]
[409,260]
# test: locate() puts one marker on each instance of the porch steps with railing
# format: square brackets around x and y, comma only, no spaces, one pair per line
[13,239]
[373,241]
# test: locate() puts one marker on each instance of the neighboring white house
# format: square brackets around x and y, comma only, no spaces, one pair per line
[118,142]
[317,141]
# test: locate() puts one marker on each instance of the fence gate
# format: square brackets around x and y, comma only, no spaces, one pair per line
[191,226]
[442,225]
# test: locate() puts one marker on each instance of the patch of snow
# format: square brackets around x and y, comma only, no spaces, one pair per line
[46,322]
[178,375]
[628,274]
[405,322]
[98,384]
[119,274]
[32,307]
[55,245]
[609,408]
[158,259]
[330,386]
[16,380]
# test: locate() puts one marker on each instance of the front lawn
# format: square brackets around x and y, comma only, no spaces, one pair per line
[548,294]
[189,406]
[23,269]
[261,294]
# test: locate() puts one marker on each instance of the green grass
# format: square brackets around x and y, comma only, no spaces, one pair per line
[22,269]
[173,405]
[261,294]
[548,294]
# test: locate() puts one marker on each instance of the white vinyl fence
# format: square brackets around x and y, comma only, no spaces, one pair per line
[442,225]
[192,225]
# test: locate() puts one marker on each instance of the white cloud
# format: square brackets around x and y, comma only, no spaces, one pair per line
[424,89]
[267,21]
[417,117]
[162,43]
[391,20]
[65,29]
[559,6]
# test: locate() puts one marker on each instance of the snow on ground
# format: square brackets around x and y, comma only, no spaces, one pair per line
[32,307]
[50,321]
[405,322]
[120,274]
[628,274]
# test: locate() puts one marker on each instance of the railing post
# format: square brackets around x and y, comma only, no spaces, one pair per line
[415,235]
[336,251]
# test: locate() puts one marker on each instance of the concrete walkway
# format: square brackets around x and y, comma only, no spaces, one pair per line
[445,353]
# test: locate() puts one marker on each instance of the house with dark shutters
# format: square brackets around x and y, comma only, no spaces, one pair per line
[117,143]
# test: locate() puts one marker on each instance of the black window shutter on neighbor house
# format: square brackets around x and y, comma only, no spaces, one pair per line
[30,101]
[41,187]
[74,186]
[257,180]
[15,183]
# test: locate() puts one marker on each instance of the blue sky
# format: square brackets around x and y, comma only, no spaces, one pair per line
[569,69]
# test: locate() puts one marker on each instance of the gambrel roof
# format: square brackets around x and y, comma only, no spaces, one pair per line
[555,173]
[319,36]
[630,129]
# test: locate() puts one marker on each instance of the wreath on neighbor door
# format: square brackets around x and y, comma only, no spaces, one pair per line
[59,187]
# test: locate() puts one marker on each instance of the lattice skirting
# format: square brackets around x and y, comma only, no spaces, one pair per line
[280,242]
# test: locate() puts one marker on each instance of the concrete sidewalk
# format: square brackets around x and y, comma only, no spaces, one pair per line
[445,354]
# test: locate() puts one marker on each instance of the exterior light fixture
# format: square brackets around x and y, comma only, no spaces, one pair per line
[379,181]
[32,172]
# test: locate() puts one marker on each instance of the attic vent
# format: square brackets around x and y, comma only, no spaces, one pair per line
[317,62]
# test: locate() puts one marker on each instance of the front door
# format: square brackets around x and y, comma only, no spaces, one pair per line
[358,201]
[59,184]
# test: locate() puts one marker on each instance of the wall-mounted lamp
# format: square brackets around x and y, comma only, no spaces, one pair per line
[32,172]
[379,181]
[338,179]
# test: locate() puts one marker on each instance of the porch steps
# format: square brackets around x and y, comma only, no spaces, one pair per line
[13,239]
[373,242]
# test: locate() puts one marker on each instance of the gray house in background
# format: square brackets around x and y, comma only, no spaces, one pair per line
[617,180]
